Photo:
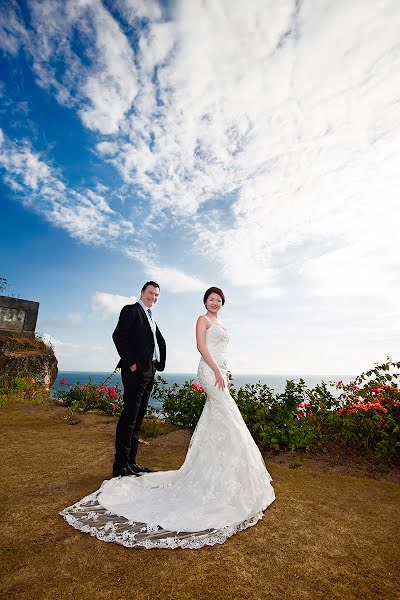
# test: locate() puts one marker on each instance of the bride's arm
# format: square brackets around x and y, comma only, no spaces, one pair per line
[201,329]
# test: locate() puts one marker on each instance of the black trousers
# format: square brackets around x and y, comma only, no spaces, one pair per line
[137,390]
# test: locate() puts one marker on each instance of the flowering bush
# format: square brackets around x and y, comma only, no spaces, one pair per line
[80,397]
[363,415]
[370,411]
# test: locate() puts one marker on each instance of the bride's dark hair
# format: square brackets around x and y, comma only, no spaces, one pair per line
[214,290]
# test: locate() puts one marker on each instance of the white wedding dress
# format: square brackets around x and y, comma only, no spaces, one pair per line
[222,487]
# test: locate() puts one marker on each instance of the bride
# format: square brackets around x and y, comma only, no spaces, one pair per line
[222,487]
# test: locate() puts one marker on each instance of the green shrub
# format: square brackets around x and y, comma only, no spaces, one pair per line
[23,386]
[364,417]
[181,405]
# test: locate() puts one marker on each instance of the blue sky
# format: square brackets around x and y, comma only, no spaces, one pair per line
[254,147]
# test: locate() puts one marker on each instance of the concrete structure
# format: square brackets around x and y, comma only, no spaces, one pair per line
[18,317]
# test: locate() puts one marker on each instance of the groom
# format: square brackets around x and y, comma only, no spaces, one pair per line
[142,350]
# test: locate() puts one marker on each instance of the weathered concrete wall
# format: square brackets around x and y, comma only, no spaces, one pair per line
[18,316]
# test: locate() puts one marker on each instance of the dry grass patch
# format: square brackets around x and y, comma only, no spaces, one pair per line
[326,536]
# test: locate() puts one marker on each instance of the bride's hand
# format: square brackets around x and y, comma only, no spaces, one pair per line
[219,380]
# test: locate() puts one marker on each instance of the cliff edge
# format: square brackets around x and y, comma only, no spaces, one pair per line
[20,354]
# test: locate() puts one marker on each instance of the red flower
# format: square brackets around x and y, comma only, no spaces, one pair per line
[197,387]
[64,382]
[352,408]
[113,406]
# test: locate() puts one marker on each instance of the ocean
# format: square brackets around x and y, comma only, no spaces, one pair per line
[275,382]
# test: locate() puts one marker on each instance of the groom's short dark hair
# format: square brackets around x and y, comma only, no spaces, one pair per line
[153,283]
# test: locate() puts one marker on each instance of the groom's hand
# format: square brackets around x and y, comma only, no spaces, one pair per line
[133,368]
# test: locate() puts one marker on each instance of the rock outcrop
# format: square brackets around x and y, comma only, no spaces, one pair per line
[27,355]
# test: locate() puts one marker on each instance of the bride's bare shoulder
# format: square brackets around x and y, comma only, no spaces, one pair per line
[202,320]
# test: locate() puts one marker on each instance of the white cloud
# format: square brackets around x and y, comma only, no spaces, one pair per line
[102,84]
[12,29]
[169,278]
[62,349]
[106,305]
[111,89]
[174,280]
[268,133]
[134,10]
[292,142]
[270,153]
[86,216]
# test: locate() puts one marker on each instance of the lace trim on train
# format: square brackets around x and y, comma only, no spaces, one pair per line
[89,516]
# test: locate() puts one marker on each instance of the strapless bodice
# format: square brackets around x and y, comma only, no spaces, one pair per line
[217,339]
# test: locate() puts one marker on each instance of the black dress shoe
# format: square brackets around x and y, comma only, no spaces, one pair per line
[138,469]
[124,472]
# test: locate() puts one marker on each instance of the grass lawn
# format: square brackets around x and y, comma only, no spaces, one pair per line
[327,535]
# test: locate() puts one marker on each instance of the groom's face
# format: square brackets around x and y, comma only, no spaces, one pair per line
[150,295]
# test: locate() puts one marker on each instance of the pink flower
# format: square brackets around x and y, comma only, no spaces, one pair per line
[197,387]
[340,383]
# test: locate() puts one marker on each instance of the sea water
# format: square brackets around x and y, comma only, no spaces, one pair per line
[276,382]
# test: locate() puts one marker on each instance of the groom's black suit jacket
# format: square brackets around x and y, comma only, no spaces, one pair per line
[134,339]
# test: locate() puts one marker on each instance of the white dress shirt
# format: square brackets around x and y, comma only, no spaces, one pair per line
[156,353]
